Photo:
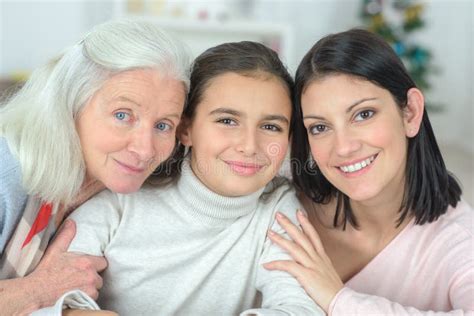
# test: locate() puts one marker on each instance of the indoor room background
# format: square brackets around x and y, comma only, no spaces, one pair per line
[33,31]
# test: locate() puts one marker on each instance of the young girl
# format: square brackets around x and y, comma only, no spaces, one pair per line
[196,246]
[393,236]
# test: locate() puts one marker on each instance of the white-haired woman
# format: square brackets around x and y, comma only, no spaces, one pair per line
[103,115]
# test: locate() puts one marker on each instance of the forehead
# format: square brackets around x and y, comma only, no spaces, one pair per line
[341,89]
[255,93]
[143,83]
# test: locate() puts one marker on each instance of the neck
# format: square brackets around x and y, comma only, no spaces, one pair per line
[382,211]
[208,206]
[375,216]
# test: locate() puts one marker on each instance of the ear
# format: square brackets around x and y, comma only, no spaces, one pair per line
[413,113]
[183,132]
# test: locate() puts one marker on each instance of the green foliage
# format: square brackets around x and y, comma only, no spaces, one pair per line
[417,59]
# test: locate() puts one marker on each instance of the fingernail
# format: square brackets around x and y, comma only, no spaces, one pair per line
[279,215]
[271,232]
[301,213]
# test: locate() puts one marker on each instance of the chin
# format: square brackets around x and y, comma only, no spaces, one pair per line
[361,196]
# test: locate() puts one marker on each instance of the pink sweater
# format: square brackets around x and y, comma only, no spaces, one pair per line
[425,270]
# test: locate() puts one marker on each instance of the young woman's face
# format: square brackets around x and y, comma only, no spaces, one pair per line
[129,126]
[239,135]
[357,136]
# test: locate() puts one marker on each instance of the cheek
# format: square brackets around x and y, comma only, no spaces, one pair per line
[320,151]
[163,149]
[277,150]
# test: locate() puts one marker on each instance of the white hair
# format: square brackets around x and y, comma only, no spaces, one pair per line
[38,122]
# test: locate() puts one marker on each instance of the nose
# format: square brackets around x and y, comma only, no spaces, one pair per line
[247,143]
[142,144]
[346,142]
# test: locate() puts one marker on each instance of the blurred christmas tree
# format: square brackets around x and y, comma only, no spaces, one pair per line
[395,21]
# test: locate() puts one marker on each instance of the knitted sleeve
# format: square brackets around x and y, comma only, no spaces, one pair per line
[281,292]
[96,222]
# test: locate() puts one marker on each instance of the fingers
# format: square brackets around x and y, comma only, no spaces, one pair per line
[290,267]
[91,281]
[309,230]
[312,234]
[63,238]
[296,234]
[99,263]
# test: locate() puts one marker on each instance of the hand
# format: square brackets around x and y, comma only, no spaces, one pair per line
[312,267]
[60,271]
[82,312]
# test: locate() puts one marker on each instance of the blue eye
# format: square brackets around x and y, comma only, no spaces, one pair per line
[317,129]
[122,116]
[364,115]
[163,126]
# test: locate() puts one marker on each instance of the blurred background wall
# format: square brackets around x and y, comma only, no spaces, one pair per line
[33,31]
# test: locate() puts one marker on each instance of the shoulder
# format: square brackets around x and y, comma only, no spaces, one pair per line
[449,239]
[12,194]
[281,196]
[10,171]
[111,203]
[11,187]
[8,163]
[457,221]
[101,205]
[279,191]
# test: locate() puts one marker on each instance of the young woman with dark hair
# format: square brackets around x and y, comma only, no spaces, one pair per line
[386,231]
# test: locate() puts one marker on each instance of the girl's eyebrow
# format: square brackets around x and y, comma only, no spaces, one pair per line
[348,110]
[276,117]
[271,117]
[226,111]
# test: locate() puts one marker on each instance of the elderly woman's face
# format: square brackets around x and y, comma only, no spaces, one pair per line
[128,127]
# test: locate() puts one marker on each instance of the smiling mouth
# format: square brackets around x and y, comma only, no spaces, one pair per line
[357,166]
[130,169]
[243,168]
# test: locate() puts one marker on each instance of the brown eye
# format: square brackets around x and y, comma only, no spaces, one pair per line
[227,121]
[317,129]
[364,115]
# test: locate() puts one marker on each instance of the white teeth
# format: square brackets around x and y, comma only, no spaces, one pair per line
[357,166]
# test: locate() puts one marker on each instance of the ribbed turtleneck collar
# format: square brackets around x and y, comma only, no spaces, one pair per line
[208,206]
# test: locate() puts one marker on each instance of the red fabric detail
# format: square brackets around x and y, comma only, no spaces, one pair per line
[40,223]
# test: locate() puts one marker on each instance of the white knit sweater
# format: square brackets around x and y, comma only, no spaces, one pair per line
[185,250]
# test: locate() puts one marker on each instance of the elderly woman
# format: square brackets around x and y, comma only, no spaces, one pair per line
[103,115]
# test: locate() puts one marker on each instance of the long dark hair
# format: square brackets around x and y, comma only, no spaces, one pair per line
[244,58]
[429,187]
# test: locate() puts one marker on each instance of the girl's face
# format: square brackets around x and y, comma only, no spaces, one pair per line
[358,136]
[239,134]
[128,128]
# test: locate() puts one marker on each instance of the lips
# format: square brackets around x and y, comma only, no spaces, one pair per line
[130,168]
[354,167]
[243,168]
